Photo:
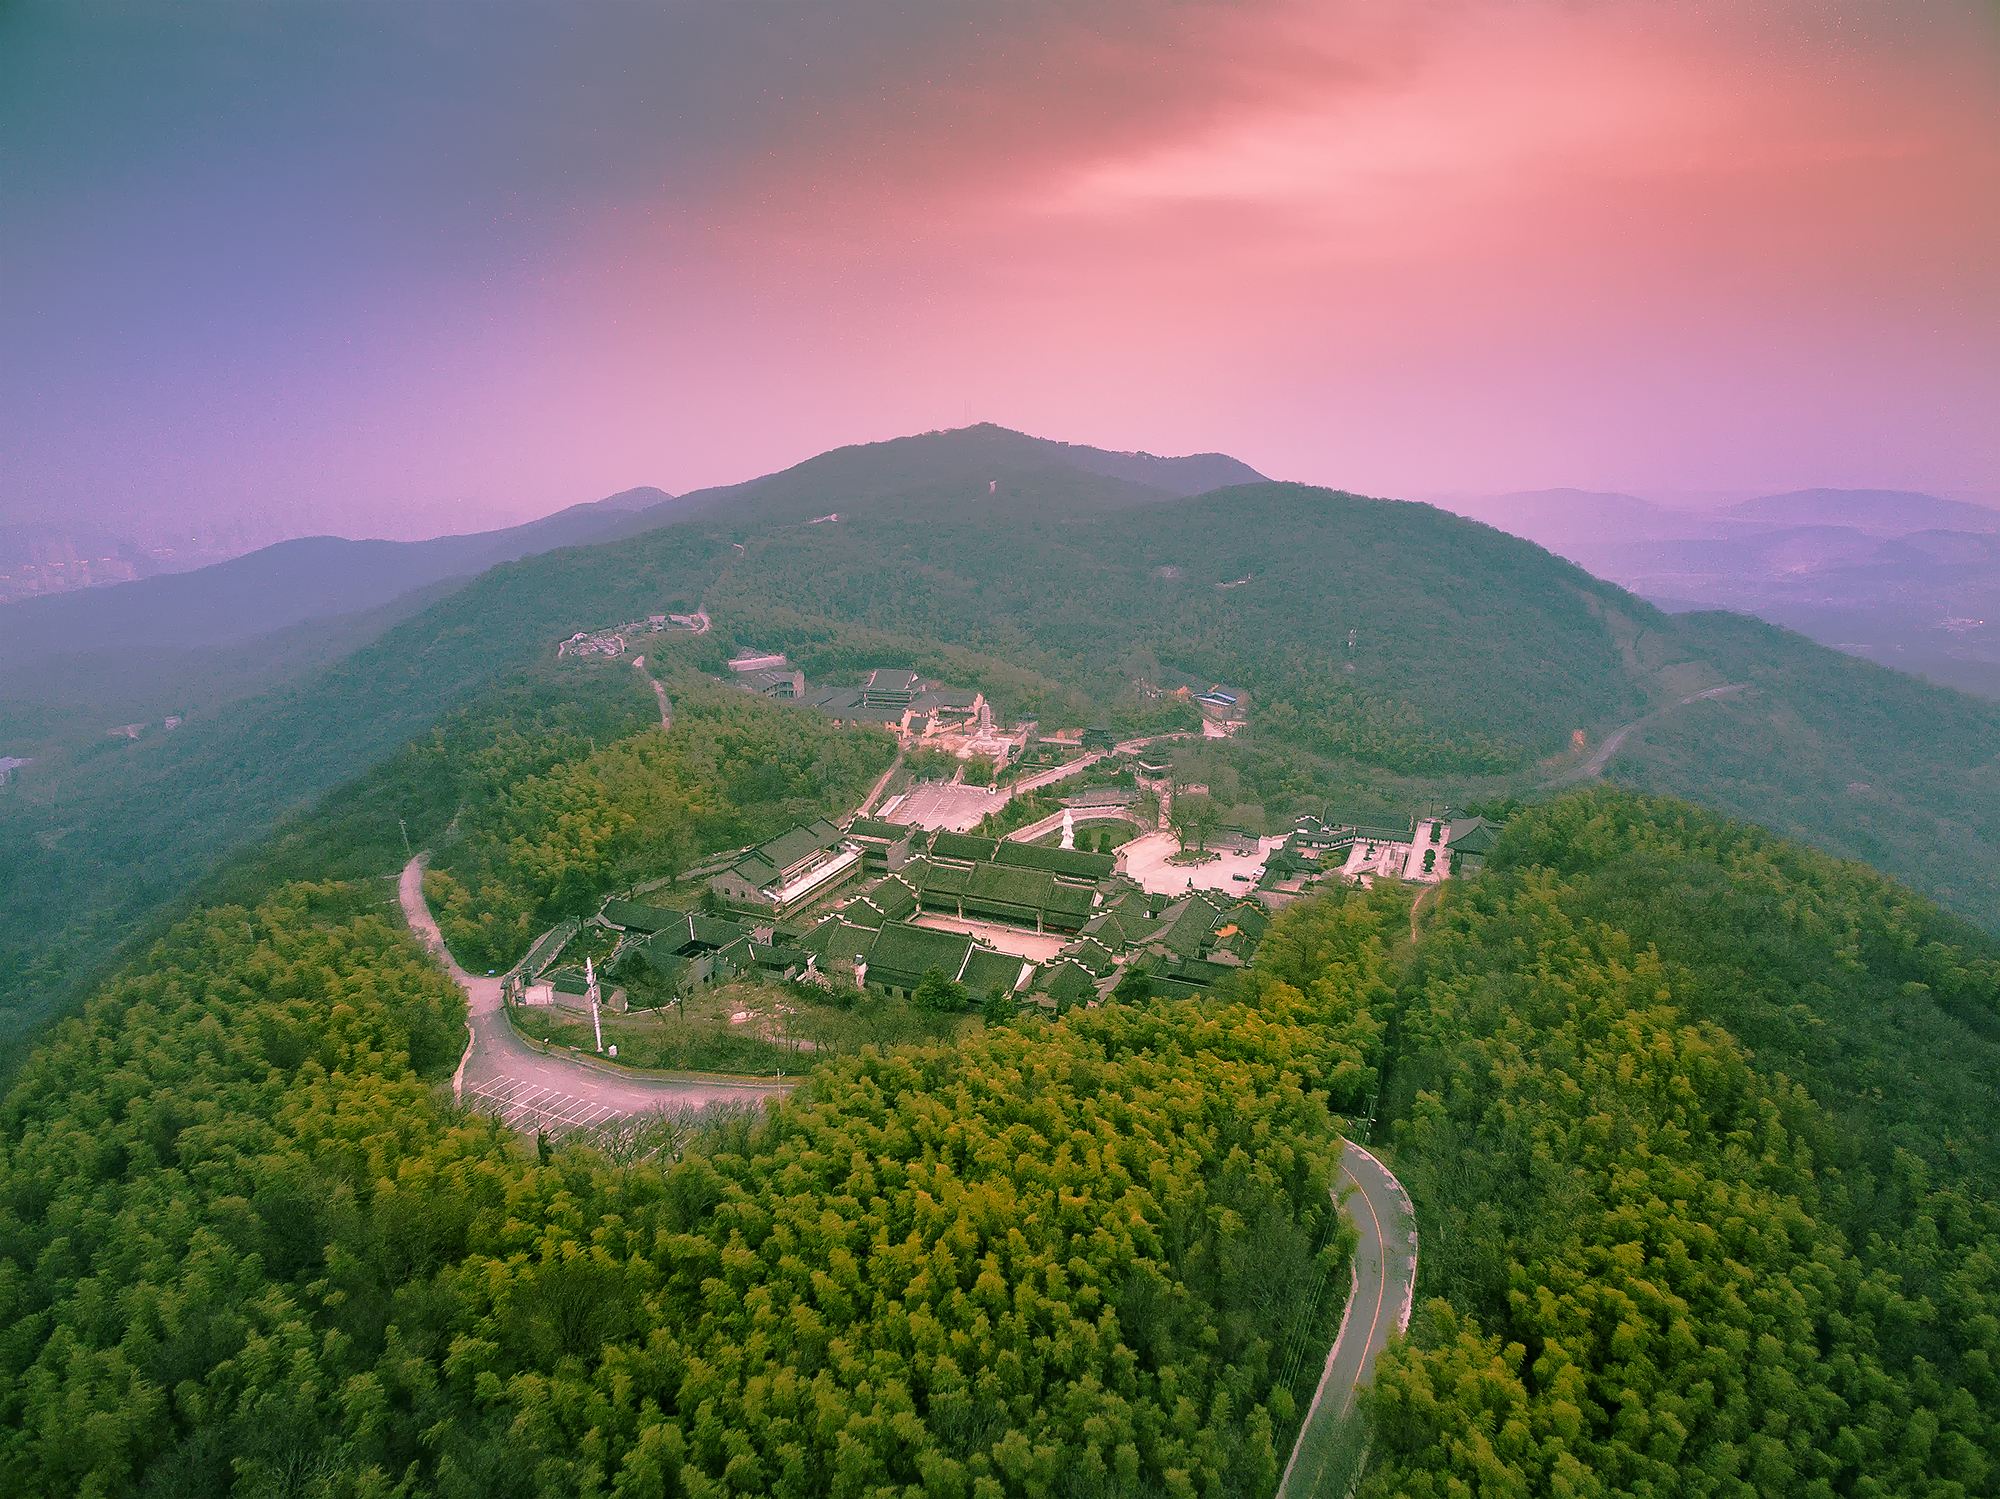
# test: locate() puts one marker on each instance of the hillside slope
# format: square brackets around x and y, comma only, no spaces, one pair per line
[1700,1126]
[66,703]
[1257,586]
[76,665]
[102,837]
[1908,580]
[1848,756]
[1378,638]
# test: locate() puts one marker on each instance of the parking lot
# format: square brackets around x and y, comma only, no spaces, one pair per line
[527,1106]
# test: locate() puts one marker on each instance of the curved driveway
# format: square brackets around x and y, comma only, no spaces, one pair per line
[1384,1285]
[535,1090]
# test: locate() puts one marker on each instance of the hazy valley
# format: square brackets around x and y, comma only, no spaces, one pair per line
[1907,580]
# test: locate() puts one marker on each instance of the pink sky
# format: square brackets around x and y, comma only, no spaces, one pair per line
[1402,249]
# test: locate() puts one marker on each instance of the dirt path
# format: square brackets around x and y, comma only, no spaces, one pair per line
[1428,893]
[659,692]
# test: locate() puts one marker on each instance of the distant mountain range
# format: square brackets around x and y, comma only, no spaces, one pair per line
[1911,580]
[1881,512]
[313,577]
[1566,519]
[52,556]
[323,577]
[76,664]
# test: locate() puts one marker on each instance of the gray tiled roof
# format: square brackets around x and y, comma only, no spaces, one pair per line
[1075,863]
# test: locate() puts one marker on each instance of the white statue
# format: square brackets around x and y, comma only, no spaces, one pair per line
[590,993]
[1069,828]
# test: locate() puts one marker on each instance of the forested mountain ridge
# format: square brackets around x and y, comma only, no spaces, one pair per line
[955,466]
[1004,562]
[1256,585]
[101,838]
[97,846]
[319,577]
[1851,757]
[1701,1127]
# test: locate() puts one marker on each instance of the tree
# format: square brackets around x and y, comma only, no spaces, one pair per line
[939,992]
[998,1006]
[1134,986]
[1194,818]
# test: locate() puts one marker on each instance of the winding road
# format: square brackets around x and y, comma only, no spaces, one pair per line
[1600,757]
[1378,1305]
[530,1089]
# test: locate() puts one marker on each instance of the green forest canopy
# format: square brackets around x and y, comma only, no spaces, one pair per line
[1699,1125]
[564,824]
[249,1252]
[1702,1132]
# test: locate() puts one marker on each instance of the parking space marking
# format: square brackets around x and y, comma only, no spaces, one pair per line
[523,1104]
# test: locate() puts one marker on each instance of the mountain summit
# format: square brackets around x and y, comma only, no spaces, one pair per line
[962,462]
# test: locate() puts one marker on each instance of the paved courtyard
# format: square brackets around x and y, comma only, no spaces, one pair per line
[1145,859]
[1008,939]
[940,804]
